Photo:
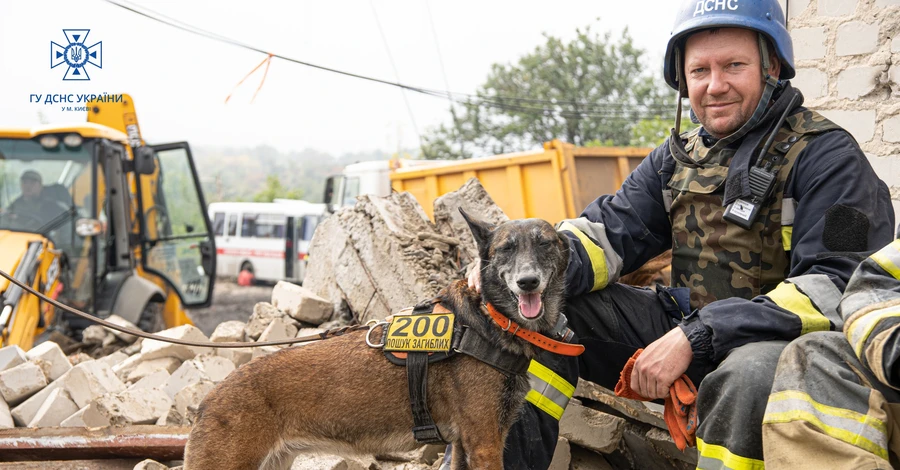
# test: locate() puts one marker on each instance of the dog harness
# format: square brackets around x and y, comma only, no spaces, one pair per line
[429,332]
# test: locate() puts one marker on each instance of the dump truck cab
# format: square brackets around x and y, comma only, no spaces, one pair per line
[93,217]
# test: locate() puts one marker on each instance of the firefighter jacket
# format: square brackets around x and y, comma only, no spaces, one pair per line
[871,311]
[776,281]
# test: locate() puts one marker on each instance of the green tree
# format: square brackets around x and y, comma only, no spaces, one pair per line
[274,190]
[591,89]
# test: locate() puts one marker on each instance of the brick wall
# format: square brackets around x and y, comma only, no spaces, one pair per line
[847,55]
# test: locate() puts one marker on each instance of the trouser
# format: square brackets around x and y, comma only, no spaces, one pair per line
[827,410]
[615,322]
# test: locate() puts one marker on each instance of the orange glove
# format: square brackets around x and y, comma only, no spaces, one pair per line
[680,412]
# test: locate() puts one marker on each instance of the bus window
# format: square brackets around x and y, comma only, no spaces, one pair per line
[263,225]
[309,226]
[232,225]
[351,191]
[219,224]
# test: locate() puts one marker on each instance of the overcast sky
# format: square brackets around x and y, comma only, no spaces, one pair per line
[179,81]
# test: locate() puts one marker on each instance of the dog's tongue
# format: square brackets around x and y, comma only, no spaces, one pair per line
[530,305]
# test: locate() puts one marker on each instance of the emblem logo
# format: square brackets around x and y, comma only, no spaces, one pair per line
[76,54]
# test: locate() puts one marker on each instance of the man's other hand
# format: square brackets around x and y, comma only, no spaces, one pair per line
[663,361]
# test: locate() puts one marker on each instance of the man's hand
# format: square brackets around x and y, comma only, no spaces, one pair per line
[475,275]
[663,361]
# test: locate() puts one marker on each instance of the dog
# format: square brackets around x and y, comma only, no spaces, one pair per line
[340,396]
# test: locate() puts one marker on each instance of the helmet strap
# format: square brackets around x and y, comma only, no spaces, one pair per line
[676,146]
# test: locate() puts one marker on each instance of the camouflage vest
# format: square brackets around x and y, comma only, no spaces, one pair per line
[715,258]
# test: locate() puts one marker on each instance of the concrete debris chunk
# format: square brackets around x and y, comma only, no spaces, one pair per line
[114,359]
[155,380]
[562,456]
[229,332]
[78,358]
[55,409]
[170,418]
[119,321]
[25,411]
[153,349]
[189,373]
[133,348]
[475,200]
[55,362]
[265,351]
[301,304]
[6,420]
[192,395]
[583,459]
[145,368]
[325,462]
[237,356]
[94,335]
[11,356]
[591,429]
[76,420]
[128,407]
[90,380]
[279,328]
[263,314]
[215,367]
[20,382]
[150,465]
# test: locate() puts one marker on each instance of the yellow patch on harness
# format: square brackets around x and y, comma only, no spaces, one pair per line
[420,333]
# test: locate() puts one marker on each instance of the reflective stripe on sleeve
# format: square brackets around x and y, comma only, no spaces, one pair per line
[824,295]
[788,210]
[713,457]
[595,253]
[549,391]
[889,259]
[857,429]
[859,330]
[789,298]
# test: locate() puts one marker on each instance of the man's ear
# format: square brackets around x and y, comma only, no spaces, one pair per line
[482,231]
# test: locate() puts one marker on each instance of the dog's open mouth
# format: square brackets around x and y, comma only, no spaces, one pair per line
[530,305]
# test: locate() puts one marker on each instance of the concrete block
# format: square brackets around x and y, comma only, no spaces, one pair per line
[76,420]
[90,380]
[856,37]
[796,8]
[11,356]
[325,462]
[170,418]
[301,303]
[153,349]
[55,362]
[237,356]
[128,407]
[114,359]
[562,456]
[229,332]
[21,382]
[263,314]
[892,130]
[95,334]
[583,459]
[809,43]
[150,465]
[591,429]
[476,201]
[895,44]
[6,420]
[192,395]
[25,411]
[189,373]
[55,409]
[134,347]
[813,83]
[837,7]
[145,368]
[279,328]
[886,3]
[78,358]
[119,321]
[265,351]
[155,380]
[215,367]
[861,124]
[857,82]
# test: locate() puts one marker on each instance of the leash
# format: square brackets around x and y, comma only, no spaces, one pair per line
[533,337]
[202,344]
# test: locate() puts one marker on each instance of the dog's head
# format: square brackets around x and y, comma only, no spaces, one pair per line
[523,269]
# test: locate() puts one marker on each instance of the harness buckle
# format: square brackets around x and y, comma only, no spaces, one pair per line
[372,324]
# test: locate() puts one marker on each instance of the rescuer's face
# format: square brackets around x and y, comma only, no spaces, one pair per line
[31,188]
[724,78]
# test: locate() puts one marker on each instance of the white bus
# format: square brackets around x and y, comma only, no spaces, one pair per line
[271,240]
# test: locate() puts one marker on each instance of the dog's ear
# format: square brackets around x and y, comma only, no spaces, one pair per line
[482,231]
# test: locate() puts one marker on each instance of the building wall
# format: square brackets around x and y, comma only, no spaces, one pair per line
[847,54]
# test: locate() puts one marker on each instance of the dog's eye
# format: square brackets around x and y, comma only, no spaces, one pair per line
[507,247]
[546,243]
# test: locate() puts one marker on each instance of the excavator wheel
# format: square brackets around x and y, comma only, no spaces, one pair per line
[151,319]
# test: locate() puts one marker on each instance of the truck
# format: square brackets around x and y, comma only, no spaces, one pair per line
[94,217]
[553,183]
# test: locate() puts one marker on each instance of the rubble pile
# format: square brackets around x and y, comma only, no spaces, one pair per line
[366,262]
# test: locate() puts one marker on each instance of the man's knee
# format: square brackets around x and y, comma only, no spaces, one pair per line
[748,371]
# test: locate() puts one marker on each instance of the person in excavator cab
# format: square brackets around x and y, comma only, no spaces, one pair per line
[33,209]
[764,230]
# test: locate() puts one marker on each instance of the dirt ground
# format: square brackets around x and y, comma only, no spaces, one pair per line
[230,302]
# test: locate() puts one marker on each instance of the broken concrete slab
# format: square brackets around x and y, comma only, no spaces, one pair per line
[609,403]
[263,314]
[90,380]
[119,321]
[6,420]
[237,356]
[20,382]
[265,351]
[325,462]
[76,420]
[134,347]
[475,200]
[128,407]
[229,332]
[55,363]
[188,373]
[301,304]
[150,464]
[95,335]
[155,380]
[25,411]
[78,358]
[11,356]
[145,368]
[216,368]
[278,328]
[583,459]
[114,359]
[192,395]
[153,349]
[55,409]
[591,429]
[562,456]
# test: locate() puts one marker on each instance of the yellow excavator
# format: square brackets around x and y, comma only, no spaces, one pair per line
[94,217]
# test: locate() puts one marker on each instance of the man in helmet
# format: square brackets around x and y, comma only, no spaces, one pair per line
[835,396]
[758,209]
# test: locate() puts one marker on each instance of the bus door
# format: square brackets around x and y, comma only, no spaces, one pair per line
[290,248]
